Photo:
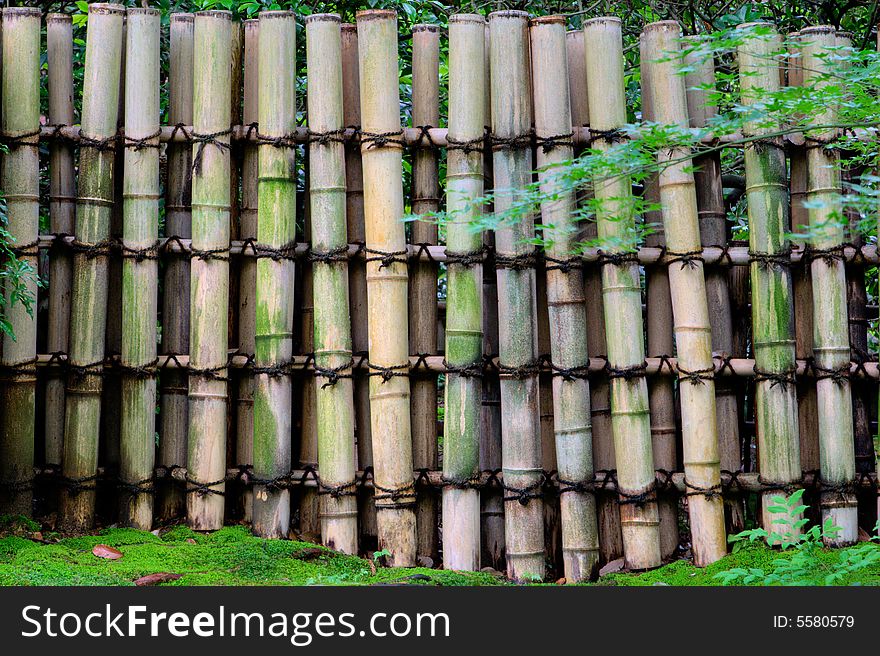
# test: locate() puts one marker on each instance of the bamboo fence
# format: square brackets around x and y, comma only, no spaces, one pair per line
[448,396]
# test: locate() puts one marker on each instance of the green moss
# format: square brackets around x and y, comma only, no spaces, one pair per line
[232,556]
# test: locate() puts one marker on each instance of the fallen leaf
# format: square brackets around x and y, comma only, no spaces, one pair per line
[309,553]
[613,566]
[103,551]
[157,578]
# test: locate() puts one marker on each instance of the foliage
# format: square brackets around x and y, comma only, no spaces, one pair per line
[804,566]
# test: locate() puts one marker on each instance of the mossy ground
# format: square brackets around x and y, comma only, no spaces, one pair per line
[232,556]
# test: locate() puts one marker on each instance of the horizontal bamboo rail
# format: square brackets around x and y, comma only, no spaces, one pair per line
[604,481]
[431,137]
[654,366]
[717,255]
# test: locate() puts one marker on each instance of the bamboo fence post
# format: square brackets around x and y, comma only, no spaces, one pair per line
[831,332]
[565,301]
[802,284]
[464,305]
[857,301]
[209,286]
[357,279]
[333,359]
[423,285]
[276,232]
[89,298]
[659,322]
[62,210]
[491,499]
[140,198]
[20,184]
[772,311]
[387,280]
[713,232]
[690,308]
[174,410]
[514,261]
[610,540]
[621,289]
[247,272]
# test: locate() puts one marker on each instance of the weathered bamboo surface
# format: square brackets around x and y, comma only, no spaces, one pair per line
[562,397]
[209,287]
[19,179]
[94,206]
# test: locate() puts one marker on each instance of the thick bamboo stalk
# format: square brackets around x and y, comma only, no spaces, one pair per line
[276,227]
[357,273]
[567,309]
[610,540]
[690,308]
[247,273]
[335,408]
[140,198]
[802,284]
[491,501]
[772,311]
[464,306]
[209,285]
[174,410]
[621,289]
[423,282]
[89,298]
[661,391]
[517,329]
[713,232]
[831,330]
[857,301]
[62,209]
[386,285]
[20,184]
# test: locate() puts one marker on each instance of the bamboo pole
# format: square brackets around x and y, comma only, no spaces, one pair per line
[491,501]
[659,322]
[423,286]
[173,409]
[209,287]
[802,284]
[62,206]
[89,298]
[520,422]
[464,316]
[247,273]
[335,409]
[690,308]
[713,232]
[357,278]
[276,228]
[831,332]
[610,540]
[857,301]
[386,284]
[140,198]
[772,311]
[621,289]
[567,309]
[20,183]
